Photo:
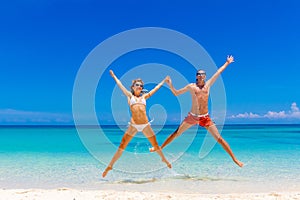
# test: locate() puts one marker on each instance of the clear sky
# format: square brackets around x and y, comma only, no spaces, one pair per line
[43,44]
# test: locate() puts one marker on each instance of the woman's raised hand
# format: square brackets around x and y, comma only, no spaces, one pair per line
[168,80]
[111,73]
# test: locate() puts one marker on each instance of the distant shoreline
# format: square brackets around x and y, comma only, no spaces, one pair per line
[125,125]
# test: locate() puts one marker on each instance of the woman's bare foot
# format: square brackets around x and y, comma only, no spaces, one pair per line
[239,163]
[106,171]
[168,164]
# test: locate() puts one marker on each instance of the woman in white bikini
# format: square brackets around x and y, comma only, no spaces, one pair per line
[139,121]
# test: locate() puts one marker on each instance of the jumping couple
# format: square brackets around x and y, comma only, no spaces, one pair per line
[198,114]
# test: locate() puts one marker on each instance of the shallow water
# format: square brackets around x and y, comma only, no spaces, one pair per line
[52,157]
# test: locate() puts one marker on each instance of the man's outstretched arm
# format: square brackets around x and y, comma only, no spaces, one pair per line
[174,91]
[212,80]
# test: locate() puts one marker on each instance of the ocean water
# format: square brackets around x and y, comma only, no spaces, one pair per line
[62,156]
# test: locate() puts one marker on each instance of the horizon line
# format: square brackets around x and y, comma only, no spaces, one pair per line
[91,125]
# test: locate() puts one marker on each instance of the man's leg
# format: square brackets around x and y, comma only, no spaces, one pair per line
[215,133]
[183,127]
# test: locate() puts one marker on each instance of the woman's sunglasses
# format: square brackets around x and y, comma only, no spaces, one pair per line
[138,85]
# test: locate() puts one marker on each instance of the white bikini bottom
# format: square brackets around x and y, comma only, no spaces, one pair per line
[139,127]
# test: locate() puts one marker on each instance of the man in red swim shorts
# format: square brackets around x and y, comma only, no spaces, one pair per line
[199,111]
[202,120]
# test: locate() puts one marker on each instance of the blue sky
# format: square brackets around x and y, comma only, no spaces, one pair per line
[43,44]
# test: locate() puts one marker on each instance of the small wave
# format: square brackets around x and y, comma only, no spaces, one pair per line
[135,181]
[183,177]
[199,178]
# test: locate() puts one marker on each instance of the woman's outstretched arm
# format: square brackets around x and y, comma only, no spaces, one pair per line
[149,94]
[121,86]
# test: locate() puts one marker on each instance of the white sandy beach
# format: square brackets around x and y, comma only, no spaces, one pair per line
[75,194]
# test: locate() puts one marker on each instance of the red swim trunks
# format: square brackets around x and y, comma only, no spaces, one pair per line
[202,120]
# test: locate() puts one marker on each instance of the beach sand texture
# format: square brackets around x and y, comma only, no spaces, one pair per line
[72,194]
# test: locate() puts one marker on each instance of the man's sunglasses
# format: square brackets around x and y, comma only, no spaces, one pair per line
[200,74]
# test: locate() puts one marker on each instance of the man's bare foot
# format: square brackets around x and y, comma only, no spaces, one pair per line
[106,171]
[239,163]
[169,165]
[152,149]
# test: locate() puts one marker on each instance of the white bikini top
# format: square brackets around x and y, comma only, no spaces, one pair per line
[134,100]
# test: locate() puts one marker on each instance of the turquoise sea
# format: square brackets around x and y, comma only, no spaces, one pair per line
[59,157]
